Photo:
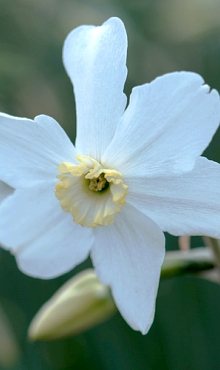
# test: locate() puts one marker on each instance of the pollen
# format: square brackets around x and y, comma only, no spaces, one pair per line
[92,193]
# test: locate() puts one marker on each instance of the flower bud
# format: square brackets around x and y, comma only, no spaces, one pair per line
[9,350]
[81,303]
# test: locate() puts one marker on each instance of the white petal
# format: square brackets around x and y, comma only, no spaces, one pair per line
[127,256]
[30,151]
[44,238]
[5,190]
[95,58]
[185,204]
[167,124]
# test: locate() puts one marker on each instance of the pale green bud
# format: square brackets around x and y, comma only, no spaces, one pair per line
[81,303]
[9,350]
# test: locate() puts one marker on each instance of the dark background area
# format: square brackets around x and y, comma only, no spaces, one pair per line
[164,36]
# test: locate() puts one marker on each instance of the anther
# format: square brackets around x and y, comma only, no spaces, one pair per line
[98,184]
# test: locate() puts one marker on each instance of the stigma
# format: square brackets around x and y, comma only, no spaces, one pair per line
[91,193]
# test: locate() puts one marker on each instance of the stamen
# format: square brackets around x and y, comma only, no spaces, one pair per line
[99,183]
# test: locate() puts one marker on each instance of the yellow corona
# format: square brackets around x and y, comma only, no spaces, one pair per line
[90,192]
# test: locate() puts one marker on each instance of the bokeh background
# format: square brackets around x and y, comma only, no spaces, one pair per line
[164,36]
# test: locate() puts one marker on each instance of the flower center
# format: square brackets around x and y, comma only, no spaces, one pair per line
[98,184]
[90,192]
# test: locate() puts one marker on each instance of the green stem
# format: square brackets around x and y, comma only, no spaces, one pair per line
[181,263]
[215,246]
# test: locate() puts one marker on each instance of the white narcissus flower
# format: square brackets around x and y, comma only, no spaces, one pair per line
[132,173]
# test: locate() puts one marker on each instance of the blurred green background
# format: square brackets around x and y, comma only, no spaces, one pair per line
[164,36]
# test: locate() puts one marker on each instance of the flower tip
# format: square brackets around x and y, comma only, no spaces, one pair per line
[115,20]
[144,328]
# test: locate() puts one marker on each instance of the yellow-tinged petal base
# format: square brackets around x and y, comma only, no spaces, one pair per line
[90,192]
